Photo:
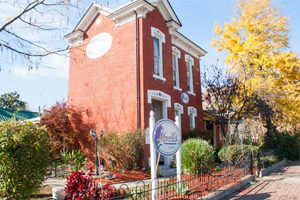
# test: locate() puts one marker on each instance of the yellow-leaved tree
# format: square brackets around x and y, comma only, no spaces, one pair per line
[258,53]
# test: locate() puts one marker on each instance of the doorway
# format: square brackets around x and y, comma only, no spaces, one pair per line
[157,107]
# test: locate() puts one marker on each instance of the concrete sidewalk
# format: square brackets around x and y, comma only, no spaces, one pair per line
[281,185]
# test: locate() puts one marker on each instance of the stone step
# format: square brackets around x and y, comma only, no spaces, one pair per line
[166,171]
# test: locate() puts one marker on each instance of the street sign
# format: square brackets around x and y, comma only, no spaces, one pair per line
[166,137]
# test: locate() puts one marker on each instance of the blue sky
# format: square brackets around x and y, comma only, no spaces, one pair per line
[45,86]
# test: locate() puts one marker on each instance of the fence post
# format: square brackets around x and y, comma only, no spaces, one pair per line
[251,164]
[258,165]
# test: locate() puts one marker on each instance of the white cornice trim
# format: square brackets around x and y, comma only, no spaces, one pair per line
[126,12]
[75,37]
[173,26]
[166,10]
[188,46]
[90,15]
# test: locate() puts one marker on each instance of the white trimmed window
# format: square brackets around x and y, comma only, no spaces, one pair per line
[178,110]
[189,68]
[175,64]
[158,39]
[192,112]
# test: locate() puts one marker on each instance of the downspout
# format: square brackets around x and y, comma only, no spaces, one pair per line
[137,71]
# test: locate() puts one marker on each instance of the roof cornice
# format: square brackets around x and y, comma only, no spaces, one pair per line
[126,12]
[187,45]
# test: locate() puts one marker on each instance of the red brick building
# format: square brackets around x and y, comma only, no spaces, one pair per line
[129,60]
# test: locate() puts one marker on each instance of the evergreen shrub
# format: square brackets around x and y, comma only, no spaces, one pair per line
[197,156]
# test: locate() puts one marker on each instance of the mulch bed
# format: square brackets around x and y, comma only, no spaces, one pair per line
[127,176]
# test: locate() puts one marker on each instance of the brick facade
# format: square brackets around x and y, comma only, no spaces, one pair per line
[106,87]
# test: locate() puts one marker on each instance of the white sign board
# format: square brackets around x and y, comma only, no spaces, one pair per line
[166,137]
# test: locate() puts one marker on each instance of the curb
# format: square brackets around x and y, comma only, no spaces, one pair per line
[223,192]
[272,168]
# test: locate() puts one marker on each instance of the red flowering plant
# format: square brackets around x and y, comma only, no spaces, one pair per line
[82,187]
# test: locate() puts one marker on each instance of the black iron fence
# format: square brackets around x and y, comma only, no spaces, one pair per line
[191,186]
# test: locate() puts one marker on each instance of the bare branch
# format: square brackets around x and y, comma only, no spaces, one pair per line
[29,7]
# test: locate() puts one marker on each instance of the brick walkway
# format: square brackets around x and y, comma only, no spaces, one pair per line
[282,185]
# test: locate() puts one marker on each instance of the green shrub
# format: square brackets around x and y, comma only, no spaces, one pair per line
[126,149]
[197,156]
[283,143]
[23,159]
[201,134]
[235,154]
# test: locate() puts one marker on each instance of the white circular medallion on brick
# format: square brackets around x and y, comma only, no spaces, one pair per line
[99,45]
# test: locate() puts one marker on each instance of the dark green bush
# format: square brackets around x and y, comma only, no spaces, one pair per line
[216,152]
[197,156]
[201,134]
[285,144]
[126,149]
[267,161]
[23,159]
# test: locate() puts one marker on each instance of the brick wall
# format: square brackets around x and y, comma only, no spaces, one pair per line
[105,86]
[155,19]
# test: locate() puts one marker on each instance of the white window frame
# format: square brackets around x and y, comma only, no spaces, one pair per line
[156,33]
[190,63]
[192,112]
[177,54]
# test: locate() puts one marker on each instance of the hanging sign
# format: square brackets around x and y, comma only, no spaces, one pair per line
[185,98]
[166,137]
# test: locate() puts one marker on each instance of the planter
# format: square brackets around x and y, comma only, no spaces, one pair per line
[58,193]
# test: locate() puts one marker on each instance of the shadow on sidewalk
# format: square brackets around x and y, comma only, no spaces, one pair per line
[254,196]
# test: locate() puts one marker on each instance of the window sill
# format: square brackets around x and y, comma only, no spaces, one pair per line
[191,93]
[177,88]
[159,77]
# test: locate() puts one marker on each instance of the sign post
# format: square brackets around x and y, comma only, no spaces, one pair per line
[178,154]
[165,138]
[153,157]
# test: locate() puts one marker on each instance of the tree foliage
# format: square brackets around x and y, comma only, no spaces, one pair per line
[256,42]
[24,150]
[12,101]
[66,128]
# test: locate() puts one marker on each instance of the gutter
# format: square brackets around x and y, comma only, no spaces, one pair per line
[137,71]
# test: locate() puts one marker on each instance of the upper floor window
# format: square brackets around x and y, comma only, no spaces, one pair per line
[158,40]
[189,68]
[175,57]
[157,57]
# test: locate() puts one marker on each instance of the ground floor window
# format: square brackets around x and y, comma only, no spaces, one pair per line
[192,112]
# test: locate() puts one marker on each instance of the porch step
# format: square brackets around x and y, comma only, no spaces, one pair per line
[166,171]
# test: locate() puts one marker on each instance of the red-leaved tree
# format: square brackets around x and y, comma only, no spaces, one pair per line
[66,127]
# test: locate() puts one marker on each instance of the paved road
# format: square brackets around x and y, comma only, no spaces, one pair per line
[282,185]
